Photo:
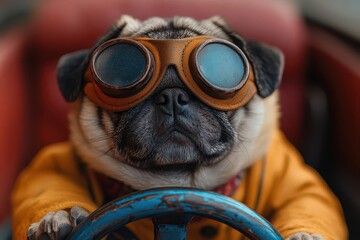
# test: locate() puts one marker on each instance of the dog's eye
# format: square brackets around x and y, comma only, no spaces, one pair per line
[120,64]
[220,65]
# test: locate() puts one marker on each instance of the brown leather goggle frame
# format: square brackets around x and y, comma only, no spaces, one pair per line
[160,54]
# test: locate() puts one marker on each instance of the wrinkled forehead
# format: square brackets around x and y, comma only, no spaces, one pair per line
[173,28]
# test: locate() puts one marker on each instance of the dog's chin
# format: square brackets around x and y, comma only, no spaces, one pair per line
[176,153]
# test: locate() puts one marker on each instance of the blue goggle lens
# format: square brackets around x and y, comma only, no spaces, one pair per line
[220,65]
[120,65]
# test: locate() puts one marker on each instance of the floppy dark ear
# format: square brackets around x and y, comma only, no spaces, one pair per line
[268,65]
[70,70]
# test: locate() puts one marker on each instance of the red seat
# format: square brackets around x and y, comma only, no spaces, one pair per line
[33,112]
[13,112]
[335,64]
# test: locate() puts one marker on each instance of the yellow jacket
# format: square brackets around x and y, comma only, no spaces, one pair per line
[280,187]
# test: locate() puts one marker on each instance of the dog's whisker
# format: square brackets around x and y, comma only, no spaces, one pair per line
[99,139]
[106,152]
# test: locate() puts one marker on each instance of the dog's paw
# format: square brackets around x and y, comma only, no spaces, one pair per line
[304,236]
[56,225]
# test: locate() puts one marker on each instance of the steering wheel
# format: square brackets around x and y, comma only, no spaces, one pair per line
[171,210]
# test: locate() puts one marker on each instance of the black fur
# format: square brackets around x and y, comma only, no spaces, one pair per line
[70,71]
[268,65]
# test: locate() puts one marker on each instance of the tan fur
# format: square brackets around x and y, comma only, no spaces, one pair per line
[134,27]
[271,116]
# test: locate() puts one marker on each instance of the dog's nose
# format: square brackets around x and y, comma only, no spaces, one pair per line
[172,100]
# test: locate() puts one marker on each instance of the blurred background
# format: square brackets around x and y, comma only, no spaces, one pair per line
[320,92]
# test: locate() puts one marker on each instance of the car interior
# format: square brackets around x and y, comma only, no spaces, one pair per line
[319,93]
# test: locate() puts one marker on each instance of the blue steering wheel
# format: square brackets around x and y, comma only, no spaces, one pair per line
[171,210]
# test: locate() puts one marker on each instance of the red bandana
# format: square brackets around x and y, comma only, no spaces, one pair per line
[113,189]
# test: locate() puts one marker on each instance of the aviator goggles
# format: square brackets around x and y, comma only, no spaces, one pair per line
[123,72]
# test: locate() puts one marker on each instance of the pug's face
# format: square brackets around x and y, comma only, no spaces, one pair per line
[172,138]
[171,130]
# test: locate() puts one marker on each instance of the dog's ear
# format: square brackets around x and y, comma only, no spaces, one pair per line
[70,71]
[268,65]
[71,67]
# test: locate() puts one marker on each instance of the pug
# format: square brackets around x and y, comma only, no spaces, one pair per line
[173,102]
